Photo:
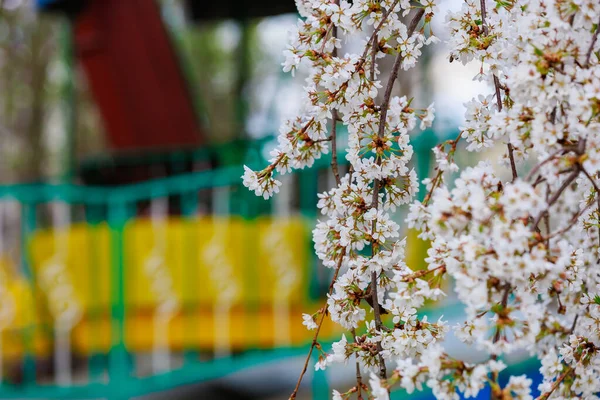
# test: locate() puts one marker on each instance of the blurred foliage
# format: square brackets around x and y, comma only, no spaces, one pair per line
[222,61]
[27,48]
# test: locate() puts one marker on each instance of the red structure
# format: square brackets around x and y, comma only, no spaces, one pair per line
[135,77]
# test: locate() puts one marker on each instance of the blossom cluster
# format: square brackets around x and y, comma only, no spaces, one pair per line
[520,247]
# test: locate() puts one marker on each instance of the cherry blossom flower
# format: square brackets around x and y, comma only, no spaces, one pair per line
[518,234]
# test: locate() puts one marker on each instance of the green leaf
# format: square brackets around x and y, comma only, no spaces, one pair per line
[497,308]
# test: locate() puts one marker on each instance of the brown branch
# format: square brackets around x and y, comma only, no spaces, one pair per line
[497,85]
[377,29]
[334,118]
[557,382]
[595,188]
[513,165]
[548,159]
[378,324]
[374,47]
[574,323]
[330,29]
[557,194]
[376,186]
[415,21]
[504,303]
[358,66]
[438,177]
[394,74]
[319,325]
[421,273]
[587,174]
[483,16]
[334,160]
[591,49]
[359,383]
[385,105]
[570,225]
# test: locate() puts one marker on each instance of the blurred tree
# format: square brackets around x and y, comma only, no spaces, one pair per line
[27,46]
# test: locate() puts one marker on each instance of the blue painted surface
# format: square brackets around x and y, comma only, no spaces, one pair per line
[530,368]
[42,4]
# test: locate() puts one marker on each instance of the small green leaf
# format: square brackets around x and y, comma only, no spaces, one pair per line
[497,308]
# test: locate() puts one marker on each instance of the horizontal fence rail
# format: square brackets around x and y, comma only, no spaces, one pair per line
[115,292]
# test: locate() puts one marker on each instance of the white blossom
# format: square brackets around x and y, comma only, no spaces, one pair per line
[517,235]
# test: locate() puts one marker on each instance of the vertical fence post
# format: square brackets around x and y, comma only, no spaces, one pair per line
[220,273]
[96,312]
[423,144]
[118,363]
[320,385]
[190,310]
[28,225]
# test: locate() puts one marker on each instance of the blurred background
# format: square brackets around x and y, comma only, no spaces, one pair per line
[132,262]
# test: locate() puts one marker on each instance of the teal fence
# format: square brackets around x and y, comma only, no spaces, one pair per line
[82,324]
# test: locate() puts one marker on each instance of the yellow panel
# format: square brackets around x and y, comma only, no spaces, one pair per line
[196,330]
[282,252]
[18,316]
[209,261]
[205,257]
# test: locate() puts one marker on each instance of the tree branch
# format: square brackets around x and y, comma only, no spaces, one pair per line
[548,159]
[334,118]
[375,201]
[359,383]
[511,156]
[547,395]
[557,194]
[316,335]
[588,56]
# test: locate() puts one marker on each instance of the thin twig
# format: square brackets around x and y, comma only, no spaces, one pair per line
[374,47]
[595,188]
[438,177]
[557,382]
[376,186]
[358,374]
[330,28]
[587,174]
[316,335]
[394,74]
[336,174]
[511,155]
[513,165]
[334,160]
[504,303]
[557,194]
[358,66]
[538,166]
[334,118]
[574,323]
[570,225]
[378,28]
[591,49]
[547,220]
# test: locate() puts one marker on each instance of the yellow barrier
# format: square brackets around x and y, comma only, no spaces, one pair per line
[263,251]
[17,314]
[253,268]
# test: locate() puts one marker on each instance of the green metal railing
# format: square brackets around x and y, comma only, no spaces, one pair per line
[111,373]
